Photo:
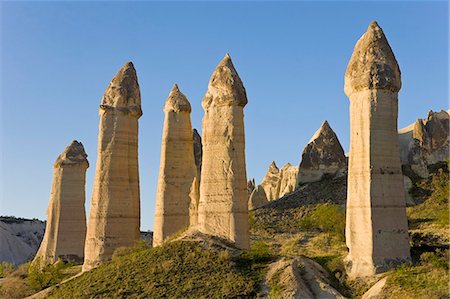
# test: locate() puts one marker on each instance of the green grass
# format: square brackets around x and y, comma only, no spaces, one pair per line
[178,269]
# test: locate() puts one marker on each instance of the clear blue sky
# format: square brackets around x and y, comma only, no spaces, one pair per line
[58,58]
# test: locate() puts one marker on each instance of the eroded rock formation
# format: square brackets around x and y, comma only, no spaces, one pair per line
[322,155]
[223,206]
[277,183]
[114,217]
[65,230]
[177,184]
[425,142]
[195,198]
[376,226]
[257,198]
[251,186]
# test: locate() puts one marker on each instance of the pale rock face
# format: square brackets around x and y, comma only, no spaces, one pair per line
[425,142]
[271,182]
[195,198]
[277,183]
[250,186]
[258,198]
[223,206]
[288,180]
[323,155]
[66,217]
[114,218]
[177,183]
[376,226]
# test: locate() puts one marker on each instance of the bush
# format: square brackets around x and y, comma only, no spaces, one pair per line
[42,277]
[14,287]
[326,217]
[6,269]
[438,259]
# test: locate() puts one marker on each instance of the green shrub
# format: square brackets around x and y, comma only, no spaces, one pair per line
[42,277]
[326,217]
[6,269]
[438,259]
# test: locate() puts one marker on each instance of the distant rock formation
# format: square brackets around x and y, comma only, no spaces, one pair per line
[288,180]
[257,198]
[19,239]
[376,227]
[65,231]
[114,217]
[223,206]
[251,186]
[271,182]
[195,197]
[322,155]
[277,183]
[425,142]
[177,184]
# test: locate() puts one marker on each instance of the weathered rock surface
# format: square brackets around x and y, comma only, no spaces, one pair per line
[65,230]
[300,278]
[177,184]
[271,182]
[258,198]
[19,239]
[195,197]
[277,183]
[322,155]
[251,186]
[376,226]
[425,142]
[223,206]
[288,180]
[376,291]
[114,217]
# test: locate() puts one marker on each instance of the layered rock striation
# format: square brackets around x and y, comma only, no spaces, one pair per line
[65,230]
[223,205]
[322,155]
[177,182]
[114,217]
[376,226]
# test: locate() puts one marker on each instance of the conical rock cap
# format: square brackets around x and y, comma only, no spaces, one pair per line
[373,64]
[177,101]
[73,154]
[225,86]
[123,90]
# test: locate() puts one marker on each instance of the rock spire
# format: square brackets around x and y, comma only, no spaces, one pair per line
[223,206]
[177,182]
[66,217]
[114,217]
[376,226]
[322,155]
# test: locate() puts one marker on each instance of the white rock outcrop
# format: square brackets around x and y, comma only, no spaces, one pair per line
[376,224]
[114,217]
[223,205]
[258,198]
[177,183]
[65,230]
[277,183]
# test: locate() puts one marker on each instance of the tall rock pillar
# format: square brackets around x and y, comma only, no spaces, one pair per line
[376,227]
[177,183]
[223,206]
[115,208]
[66,217]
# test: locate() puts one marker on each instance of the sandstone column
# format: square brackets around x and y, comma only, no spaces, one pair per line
[115,208]
[177,184]
[376,228]
[66,217]
[223,207]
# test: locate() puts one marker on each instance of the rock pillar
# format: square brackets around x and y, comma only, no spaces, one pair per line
[114,217]
[223,206]
[66,217]
[177,184]
[376,227]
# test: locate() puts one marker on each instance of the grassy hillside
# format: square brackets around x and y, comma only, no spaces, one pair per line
[178,269]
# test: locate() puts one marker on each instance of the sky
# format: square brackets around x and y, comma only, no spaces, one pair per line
[57,59]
